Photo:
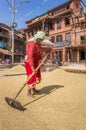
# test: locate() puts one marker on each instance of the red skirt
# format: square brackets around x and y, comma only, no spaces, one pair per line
[36,78]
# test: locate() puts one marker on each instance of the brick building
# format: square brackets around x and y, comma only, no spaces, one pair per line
[6,43]
[65,25]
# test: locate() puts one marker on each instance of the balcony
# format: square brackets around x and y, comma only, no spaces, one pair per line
[4,35]
[63,43]
[61,11]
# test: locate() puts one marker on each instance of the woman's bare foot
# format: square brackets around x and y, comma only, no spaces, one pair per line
[32,91]
[30,94]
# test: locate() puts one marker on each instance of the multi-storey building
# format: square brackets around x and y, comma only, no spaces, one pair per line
[6,43]
[65,26]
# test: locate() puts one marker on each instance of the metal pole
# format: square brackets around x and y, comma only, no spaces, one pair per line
[12,27]
[13,8]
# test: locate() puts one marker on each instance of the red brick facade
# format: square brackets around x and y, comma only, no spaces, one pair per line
[65,26]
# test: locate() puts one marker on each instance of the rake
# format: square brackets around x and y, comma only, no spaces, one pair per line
[12,101]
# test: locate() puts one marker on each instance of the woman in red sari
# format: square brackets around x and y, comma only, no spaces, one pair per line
[33,57]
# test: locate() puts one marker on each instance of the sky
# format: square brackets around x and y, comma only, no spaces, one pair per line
[26,11]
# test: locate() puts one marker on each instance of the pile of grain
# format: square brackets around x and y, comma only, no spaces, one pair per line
[17,68]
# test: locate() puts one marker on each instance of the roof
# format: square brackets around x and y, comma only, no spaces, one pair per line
[36,17]
[57,7]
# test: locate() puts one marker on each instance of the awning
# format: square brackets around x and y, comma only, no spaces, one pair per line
[6,52]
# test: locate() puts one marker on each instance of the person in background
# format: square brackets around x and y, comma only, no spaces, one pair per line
[21,59]
[7,61]
[32,60]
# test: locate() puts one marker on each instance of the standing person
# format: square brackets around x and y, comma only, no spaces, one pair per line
[32,59]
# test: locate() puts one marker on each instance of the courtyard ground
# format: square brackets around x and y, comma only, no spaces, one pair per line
[60,105]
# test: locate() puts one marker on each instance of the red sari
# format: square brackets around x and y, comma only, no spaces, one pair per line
[33,53]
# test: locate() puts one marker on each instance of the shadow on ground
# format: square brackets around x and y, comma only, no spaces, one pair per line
[48,89]
[44,92]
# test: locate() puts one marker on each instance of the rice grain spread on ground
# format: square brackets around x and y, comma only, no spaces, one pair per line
[60,105]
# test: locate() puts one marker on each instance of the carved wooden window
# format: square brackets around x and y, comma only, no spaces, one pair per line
[67,38]
[59,24]
[58,38]
[67,21]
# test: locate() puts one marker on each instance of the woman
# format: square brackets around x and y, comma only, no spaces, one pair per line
[33,57]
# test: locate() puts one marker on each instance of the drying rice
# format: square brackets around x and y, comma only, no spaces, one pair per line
[61,104]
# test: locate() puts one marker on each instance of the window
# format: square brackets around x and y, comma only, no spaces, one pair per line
[0,30]
[59,23]
[67,21]
[50,25]
[83,39]
[59,38]
[0,38]
[67,7]
[52,39]
[67,37]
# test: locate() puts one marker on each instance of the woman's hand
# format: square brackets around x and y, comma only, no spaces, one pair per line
[33,69]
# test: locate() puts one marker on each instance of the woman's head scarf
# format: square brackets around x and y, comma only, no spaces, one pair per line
[39,35]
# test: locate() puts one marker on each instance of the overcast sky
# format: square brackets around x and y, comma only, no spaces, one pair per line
[26,11]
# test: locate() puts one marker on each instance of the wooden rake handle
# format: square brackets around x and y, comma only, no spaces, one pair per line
[30,77]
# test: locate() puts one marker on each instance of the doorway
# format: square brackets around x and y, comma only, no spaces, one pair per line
[82,55]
